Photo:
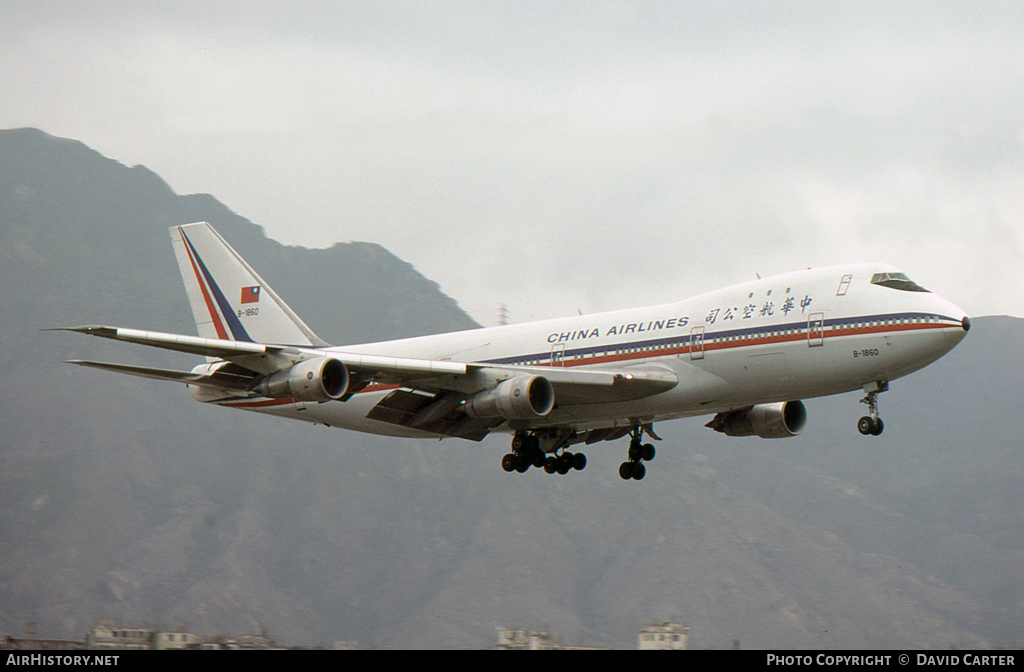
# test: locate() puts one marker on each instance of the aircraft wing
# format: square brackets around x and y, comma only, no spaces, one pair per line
[209,347]
[430,393]
[573,385]
[264,359]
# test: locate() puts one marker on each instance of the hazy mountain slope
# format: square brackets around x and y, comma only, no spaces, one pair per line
[91,463]
[80,226]
[122,498]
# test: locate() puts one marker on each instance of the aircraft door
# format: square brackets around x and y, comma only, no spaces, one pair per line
[697,343]
[815,329]
[558,354]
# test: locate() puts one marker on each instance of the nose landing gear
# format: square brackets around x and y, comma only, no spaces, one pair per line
[871,424]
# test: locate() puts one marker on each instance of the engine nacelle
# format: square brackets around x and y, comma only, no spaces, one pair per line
[320,379]
[769,421]
[519,398]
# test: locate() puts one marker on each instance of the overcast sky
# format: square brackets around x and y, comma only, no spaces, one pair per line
[563,156]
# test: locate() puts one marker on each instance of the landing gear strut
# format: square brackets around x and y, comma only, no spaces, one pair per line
[639,453]
[526,453]
[871,423]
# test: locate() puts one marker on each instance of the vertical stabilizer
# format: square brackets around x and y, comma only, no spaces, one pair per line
[229,300]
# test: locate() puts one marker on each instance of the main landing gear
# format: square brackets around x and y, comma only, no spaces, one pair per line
[639,453]
[871,424]
[526,453]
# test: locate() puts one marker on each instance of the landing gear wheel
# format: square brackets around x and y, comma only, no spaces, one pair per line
[551,464]
[579,461]
[639,452]
[563,464]
[870,426]
[647,452]
[865,425]
[525,453]
[508,463]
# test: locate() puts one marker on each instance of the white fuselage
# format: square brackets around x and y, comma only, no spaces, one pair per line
[794,336]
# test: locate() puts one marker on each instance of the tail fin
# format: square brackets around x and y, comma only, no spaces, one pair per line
[229,300]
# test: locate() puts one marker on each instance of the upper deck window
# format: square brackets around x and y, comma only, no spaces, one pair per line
[898,281]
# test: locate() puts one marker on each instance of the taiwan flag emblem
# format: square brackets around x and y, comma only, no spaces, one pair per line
[251,294]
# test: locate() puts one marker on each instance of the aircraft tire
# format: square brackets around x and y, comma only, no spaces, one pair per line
[508,463]
[879,426]
[639,471]
[865,425]
[648,452]
[551,464]
[579,461]
[626,471]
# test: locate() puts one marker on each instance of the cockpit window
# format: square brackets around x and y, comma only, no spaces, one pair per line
[898,281]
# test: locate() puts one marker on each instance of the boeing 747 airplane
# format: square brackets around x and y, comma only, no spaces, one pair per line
[746,354]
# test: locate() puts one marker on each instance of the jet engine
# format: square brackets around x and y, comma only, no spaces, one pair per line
[519,398]
[320,379]
[769,421]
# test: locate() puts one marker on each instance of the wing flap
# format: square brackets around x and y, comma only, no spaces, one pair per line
[438,414]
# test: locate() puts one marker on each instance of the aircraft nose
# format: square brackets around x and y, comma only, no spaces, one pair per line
[954,336]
